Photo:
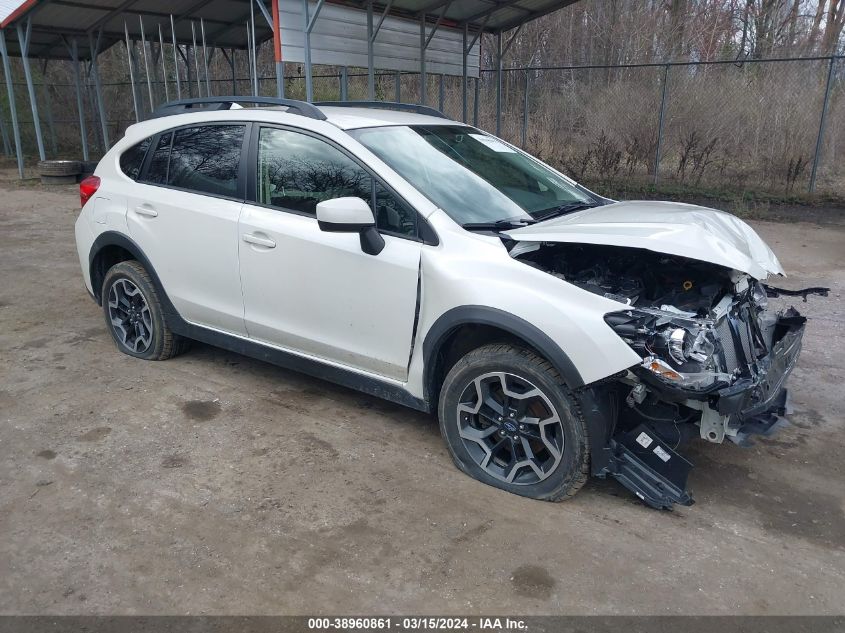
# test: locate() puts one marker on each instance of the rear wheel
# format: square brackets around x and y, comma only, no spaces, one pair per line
[510,422]
[134,315]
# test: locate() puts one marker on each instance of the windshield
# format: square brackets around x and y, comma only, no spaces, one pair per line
[474,177]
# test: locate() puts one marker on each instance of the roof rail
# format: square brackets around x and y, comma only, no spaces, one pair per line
[386,105]
[183,106]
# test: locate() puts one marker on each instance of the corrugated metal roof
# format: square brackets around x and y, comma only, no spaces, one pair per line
[225,19]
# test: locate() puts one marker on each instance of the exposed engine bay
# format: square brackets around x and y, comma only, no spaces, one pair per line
[635,276]
[714,358]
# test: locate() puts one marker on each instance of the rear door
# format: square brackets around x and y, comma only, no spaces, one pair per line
[317,292]
[184,216]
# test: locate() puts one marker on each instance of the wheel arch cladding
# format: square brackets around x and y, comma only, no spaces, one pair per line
[451,321]
[111,248]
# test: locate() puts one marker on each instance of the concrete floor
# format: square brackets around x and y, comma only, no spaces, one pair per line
[216,484]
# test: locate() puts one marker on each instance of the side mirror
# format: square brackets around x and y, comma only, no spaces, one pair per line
[351,215]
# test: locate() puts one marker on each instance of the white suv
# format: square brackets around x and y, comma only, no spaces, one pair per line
[556,333]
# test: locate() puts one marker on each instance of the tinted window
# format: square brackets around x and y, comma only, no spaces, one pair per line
[296,171]
[132,159]
[393,214]
[206,159]
[157,171]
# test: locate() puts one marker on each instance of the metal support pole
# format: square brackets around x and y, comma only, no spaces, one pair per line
[464,74]
[248,59]
[660,125]
[175,58]
[146,64]
[308,25]
[196,58]
[423,79]
[101,106]
[132,74]
[234,75]
[13,111]
[230,57]
[23,39]
[498,83]
[80,104]
[255,85]
[205,58]
[475,101]
[822,124]
[48,102]
[398,87]
[525,109]
[277,51]
[163,64]
[186,57]
[91,95]
[441,96]
[344,83]
[371,76]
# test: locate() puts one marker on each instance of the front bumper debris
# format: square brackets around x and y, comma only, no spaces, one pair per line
[756,404]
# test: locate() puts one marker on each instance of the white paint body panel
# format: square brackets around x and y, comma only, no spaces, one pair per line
[345,211]
[194,245]
[317,295]
[664,227]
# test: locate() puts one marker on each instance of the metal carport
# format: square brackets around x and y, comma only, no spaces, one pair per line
[79,30]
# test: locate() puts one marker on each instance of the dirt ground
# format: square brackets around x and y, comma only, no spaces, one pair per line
[214,484]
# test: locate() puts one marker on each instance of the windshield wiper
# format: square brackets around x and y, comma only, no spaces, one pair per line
[498,225]
[563,209]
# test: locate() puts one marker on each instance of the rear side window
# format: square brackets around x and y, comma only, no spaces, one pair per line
[157,171]
[132,159]
[206,159]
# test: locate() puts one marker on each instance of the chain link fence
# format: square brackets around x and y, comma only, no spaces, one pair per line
[773,126]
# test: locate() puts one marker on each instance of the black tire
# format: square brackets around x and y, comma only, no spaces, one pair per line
[59,167]
[161,342]
[563,472]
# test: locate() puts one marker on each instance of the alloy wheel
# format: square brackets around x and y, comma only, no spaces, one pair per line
[130,316]
[510,428]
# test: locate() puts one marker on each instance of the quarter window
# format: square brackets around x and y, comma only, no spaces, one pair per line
[132,159]
[296,171]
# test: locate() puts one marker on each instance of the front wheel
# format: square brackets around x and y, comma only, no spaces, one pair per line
[510,422]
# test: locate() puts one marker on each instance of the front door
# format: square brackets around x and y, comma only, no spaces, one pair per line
[316,292]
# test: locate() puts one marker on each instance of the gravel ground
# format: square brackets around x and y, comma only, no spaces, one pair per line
[216,484]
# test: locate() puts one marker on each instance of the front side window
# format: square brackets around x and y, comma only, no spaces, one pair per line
[206,159]
[296,171]
[472,176]
[132,159]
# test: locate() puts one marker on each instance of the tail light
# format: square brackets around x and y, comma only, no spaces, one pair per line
[87,188]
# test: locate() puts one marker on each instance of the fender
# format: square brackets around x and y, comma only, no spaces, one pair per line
[113,238]
[593,401]
[483,315]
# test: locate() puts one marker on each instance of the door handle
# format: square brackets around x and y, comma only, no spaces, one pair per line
[266,242]
[146,210]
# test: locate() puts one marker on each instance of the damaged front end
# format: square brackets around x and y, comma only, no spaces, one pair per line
[714,360]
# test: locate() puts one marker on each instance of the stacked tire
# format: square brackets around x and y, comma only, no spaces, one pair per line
[59,172]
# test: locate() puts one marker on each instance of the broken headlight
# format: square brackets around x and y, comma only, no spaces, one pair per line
[676,347]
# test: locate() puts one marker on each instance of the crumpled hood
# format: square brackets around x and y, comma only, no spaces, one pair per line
[664,227]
